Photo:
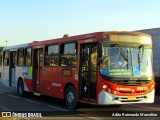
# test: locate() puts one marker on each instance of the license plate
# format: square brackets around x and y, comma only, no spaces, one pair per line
[132,98]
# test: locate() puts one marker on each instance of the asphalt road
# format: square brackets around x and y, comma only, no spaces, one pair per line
[50,108]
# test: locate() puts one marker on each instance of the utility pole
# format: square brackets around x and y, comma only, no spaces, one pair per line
[6,42]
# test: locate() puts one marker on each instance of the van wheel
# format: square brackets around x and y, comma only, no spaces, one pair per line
[70,98]
[20,88]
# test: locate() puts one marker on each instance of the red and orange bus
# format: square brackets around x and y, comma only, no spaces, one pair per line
[103,68]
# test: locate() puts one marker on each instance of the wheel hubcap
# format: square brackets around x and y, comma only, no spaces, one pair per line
[70,97]
[20,89]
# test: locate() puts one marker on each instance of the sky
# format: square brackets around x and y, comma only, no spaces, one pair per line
[24,21]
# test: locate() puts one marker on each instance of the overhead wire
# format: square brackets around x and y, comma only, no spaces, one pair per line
[135,15]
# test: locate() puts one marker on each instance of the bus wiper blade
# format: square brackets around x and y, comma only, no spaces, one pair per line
[125,57]
[141,50]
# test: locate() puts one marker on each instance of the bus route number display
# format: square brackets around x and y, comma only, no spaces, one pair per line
[66,72]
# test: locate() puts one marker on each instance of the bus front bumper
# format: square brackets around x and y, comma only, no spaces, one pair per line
[105,98]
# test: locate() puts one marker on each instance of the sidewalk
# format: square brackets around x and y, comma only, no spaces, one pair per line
[4,82]
[4,87]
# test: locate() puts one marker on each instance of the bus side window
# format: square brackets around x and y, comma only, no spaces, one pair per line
[28,57]
[94,55]
[46,61]
[51,55]
[69,54]
[14,58]
[6,58]
[20,57]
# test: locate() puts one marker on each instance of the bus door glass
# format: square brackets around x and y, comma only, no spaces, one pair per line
[37,69]
[12,68]
[88,70]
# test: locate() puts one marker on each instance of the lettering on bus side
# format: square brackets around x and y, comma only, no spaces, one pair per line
[56,84]
[66,72]
[124,89]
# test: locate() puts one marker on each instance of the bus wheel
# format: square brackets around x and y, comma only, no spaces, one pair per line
[20,88]
[70,98]
[116,106]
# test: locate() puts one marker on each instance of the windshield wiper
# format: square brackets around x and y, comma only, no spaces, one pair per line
[141,50]
[124,55]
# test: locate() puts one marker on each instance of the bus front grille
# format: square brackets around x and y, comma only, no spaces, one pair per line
[126,99]
[130,92]
[130,82]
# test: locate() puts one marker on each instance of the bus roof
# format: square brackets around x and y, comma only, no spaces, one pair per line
[70,38]
[97,35]
[15,47]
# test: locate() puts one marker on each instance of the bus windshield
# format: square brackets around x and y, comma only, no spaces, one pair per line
[126,61]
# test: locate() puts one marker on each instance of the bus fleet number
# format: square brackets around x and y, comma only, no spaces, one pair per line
[142,88]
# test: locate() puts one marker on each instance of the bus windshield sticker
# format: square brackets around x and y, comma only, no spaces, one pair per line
[136,70]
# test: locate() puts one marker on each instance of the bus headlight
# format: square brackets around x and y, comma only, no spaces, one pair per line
[148,91]
[115,92]
[151,87]
[104,86]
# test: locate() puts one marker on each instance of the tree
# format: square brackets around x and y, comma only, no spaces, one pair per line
[1,48]
[65,35]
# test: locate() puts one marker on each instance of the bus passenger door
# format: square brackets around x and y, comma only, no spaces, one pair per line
[12,68]
[88,71]
[37,68]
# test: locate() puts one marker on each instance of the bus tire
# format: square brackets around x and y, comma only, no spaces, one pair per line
[70,98]
[20,88]
[116,106]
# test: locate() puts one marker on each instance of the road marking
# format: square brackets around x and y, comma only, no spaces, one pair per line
[57,108]
[12,96]
[94,118]
[146,107]
[32,101]
[4,108]
[9,95]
